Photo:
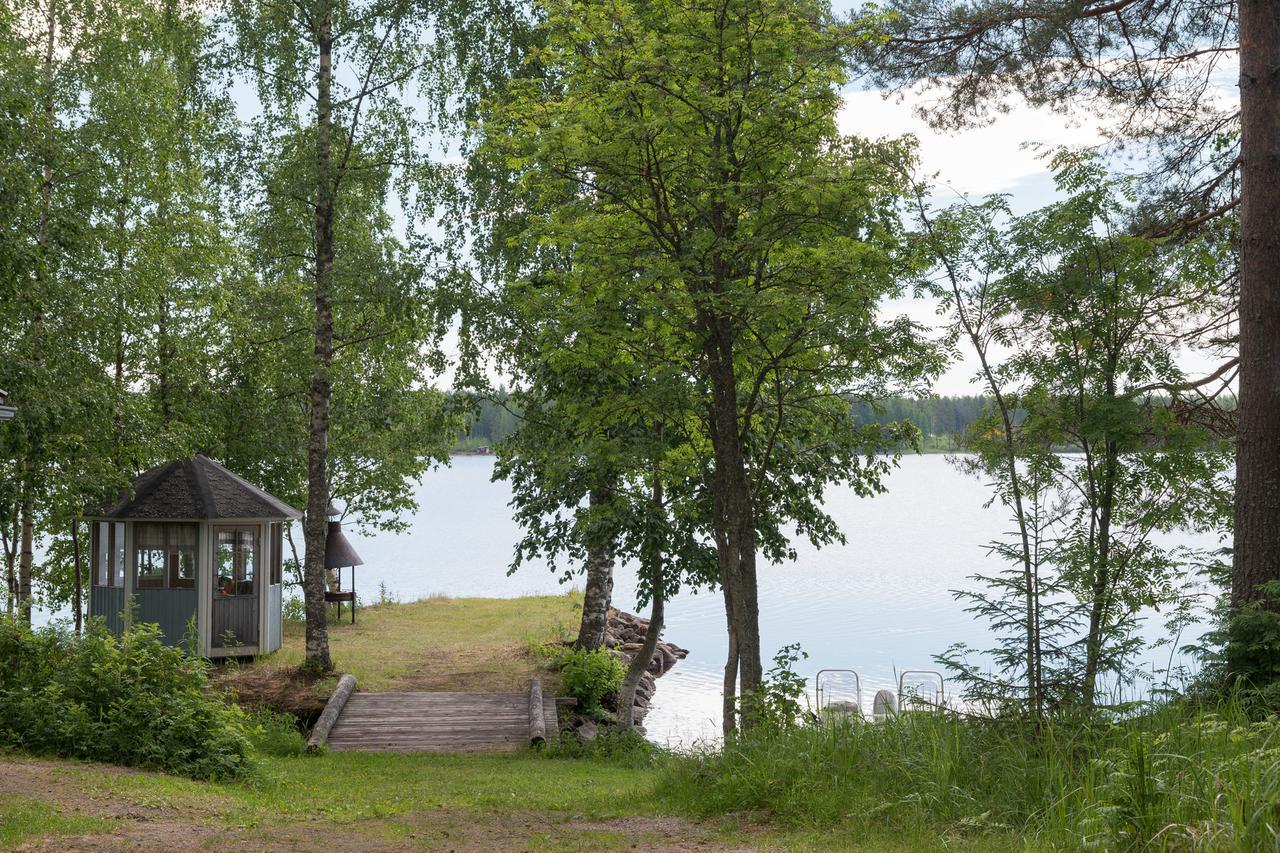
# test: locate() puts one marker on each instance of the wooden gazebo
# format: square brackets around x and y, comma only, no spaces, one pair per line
[194,547]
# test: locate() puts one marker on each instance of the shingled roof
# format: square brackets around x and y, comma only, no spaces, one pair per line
[197,488]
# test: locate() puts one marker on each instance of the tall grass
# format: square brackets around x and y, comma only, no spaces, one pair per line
[1179,778]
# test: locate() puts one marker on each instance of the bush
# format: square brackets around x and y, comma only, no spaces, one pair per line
[276,733]
[626,747]
[293,609]
[776,703]
[589,675]
[132,701]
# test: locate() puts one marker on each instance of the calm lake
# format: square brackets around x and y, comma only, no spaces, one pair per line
[879,605]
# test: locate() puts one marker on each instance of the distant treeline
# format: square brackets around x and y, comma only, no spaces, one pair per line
[937,417]
[933,416]
[496,419]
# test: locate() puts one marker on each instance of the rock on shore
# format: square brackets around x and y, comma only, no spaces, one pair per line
[625,633]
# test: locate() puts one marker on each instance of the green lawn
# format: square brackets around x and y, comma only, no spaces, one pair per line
[520,801]
[517,801]
[440,643]
[23,817]
[472,645]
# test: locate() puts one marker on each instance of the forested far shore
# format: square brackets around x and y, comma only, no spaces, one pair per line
[941,420]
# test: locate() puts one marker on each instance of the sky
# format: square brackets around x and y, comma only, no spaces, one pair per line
[1002,157]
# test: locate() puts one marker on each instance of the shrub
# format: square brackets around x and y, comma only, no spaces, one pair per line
[293,609]
[132,701]
[589,675]
[626,747]
[777,701]
[276,733]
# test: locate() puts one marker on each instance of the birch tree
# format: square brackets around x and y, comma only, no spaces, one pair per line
[364,84]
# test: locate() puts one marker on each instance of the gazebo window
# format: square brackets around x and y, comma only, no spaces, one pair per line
[108,553]
[182,565]
[235,561]
[165,555]
[277,555]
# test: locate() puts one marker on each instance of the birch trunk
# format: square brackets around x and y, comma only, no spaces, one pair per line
[599,591]
[315,531]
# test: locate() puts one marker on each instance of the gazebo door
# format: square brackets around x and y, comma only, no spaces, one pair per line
[235,587]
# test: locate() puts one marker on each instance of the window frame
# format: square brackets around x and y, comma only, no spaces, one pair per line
[277,553]
[238,562]
[109,556]
[171,548]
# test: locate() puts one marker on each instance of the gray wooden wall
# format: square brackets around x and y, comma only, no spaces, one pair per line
[171,609]
[237,615]
[107,602]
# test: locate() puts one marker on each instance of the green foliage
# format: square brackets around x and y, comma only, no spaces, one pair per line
[1081,307]
[777,702]
[117,252]
[589,675]
[132,701]
[682,266]
[969,59]
[1241,654]
[612,745]
[1176,779]
[385,596]
[294,609]
[1253,649]
[275,733]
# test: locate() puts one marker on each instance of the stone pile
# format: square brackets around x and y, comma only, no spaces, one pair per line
[625,634]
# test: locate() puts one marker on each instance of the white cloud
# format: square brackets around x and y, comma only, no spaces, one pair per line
[982,160]
[998,158]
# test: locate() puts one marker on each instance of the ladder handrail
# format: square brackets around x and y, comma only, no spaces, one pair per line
[942,684]
[817,686]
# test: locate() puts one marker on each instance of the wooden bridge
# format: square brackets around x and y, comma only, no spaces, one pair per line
[433,722]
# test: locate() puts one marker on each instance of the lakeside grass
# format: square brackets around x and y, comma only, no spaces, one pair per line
[441,643]
[1180,777]
[468,645]
[520,801]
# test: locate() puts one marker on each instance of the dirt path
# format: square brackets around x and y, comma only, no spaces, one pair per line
[170,825]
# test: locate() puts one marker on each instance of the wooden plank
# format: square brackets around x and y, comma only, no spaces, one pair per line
[432,731]
[522,719]
[455,738]
[387,721]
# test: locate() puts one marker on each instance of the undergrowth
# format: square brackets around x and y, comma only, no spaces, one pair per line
[1178,778]
[131,700]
